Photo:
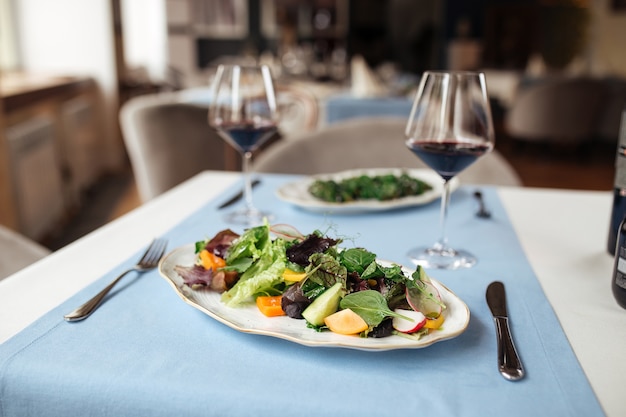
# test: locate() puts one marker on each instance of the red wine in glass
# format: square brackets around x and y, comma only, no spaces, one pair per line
[243,112]
[247,136]
[449,128]
[448,157]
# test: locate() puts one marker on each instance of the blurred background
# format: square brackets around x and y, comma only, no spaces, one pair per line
[68,66]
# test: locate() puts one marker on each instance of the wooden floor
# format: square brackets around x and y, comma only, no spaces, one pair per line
[586,168]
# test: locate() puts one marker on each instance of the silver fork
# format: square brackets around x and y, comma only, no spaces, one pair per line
[148,261]
[482,208]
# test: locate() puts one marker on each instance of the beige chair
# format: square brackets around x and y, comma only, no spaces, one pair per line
[298,109]
[169,141]
[367,143]
[561,110]
[17,252]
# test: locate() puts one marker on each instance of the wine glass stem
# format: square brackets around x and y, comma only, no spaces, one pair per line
[445,202]
[247,158]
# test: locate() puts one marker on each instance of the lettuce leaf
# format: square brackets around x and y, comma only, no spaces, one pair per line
[262,275]
[249,247]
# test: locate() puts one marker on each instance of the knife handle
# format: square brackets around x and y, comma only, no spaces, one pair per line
[509,363]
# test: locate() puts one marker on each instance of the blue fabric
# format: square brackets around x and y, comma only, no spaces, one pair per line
[146,352]
[340,108]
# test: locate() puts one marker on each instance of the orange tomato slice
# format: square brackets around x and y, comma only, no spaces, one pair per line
[345,322]
[211,261]
[269,305]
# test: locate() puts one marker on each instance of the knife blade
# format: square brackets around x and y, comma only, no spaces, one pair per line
[237,196]
[509,363]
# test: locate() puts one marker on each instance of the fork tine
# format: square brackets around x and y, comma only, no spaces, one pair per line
[159,250]
[148,251]
[154,252]
[159,254]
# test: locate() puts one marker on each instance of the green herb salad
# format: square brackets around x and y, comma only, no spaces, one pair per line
[368,187]
[310,277]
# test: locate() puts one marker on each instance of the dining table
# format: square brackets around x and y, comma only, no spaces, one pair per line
[146,351]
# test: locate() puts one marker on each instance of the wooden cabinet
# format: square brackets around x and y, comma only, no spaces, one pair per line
[50,150]
[36,176]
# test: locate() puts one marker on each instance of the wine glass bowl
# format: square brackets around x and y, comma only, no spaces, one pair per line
[449,128]
[243,112]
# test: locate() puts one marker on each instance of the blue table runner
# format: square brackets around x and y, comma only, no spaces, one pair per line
[145,352]
[343,107]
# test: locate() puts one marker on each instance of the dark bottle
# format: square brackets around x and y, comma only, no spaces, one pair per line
[619,191]
[619,268]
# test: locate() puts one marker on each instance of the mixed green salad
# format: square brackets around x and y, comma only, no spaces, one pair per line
[366,187]
[345,290]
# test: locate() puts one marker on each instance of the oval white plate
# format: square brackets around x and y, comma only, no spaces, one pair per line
[297,192]
[250,320]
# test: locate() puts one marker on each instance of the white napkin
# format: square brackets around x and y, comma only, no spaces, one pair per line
[364,81]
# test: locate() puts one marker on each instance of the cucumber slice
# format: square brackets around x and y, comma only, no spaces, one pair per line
[324,305]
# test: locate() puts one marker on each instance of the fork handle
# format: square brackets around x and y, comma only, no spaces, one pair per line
[90,306]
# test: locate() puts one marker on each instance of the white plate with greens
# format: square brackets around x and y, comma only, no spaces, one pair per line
[249,319]
[298,194]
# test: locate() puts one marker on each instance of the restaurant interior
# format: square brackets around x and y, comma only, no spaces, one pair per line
[131,285]
[65,81]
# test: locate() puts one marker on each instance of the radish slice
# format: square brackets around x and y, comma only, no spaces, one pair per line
[426,300]
[418,320]
[286,232]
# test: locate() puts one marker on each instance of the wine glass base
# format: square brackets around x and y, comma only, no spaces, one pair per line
[441,258]
[247,217]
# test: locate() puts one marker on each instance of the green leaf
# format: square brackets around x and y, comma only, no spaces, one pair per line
[312,289]
[373,270]
[394,273]
[258,279]
[200,245]
[261,263]
[357,259]
[240,265]
[250,244]
[326,270]
[370,305]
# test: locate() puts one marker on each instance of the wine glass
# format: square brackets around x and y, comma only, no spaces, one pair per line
[450,126]
[243,112]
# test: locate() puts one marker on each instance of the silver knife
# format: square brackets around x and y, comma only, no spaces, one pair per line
[237,196]
[509,363]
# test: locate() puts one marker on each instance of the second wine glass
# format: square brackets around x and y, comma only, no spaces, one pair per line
[450,126]
[243,112]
